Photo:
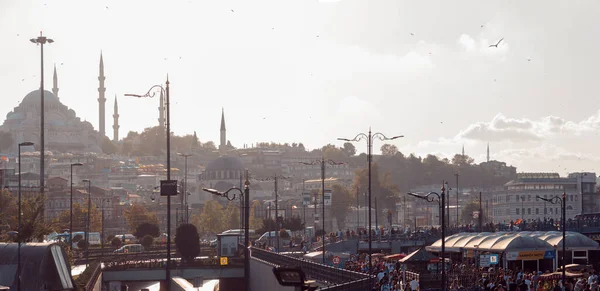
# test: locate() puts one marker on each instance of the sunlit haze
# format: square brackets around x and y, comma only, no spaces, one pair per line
[311,71]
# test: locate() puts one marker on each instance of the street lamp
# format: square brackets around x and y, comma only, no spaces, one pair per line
[89,217]
[151,94]
[102,219]
[184,193]
[369,138]
[440,199]
[71,206]
[563,202]
[323,162]
[19,235]
[41,40]
[278,227]
[245,195]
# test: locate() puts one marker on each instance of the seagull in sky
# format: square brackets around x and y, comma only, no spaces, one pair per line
[232,10]
[412,34]
[496,45]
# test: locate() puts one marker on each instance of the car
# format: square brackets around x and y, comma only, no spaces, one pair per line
[130,249]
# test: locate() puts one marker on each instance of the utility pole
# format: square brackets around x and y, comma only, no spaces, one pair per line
[480,214]
[357,210]
[457,175]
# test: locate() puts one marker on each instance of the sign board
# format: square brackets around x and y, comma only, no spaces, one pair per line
[305,198]
[168,188]
[327,197]
[488,260]
[224,261]
[527,255]
[336,260]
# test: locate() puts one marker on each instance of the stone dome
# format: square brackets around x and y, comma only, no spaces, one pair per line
[34,98]
[226,163]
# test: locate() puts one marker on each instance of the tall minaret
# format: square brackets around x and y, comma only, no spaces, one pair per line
[463,151]
[116,121]
[55,83]
[101,99]
[161,111]
[488,152]
[223,132]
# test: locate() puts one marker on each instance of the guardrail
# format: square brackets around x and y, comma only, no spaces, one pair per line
[94,278]
[337,279]
[160,263]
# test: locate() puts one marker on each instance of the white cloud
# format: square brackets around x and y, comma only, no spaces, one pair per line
[467,41]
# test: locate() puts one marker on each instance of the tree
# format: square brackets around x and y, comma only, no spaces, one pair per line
[145,229]
[381,187]
[137,214]
[33,226]
[209,145]
[231,215]
[462,160]
[293,223]
[389,149]
[6,140]
[255,223]
[466,215]
[82,244]
[340,204]
[332,152]
[8,209]
[108,147]
[80,214]
[210,220]
[187,241]
[116,242]
[147,241]
[349,149]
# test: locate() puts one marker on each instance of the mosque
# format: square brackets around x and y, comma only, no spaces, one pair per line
[64,131]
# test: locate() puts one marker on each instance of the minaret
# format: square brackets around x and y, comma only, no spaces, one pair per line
[55,83]
[161,111]
[101,99]
[116,121]
[488,152]
[463,151]
[223,132]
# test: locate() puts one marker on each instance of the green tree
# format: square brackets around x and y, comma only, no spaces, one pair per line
[147,241]
[187,241]
[147,229]
[231,215]
[349,149]
[6,140]
[8,209]
[382,187]
[293,223]
[80,214]
[462,160]
[33,226]
[211,218]
[137,214]
[255,223]
[108,147]
[340,204]
[389,149]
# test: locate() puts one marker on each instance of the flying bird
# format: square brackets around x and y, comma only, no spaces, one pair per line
[232,10]
[482,26]
[529,60]
[106,7]
[412,34]
[496,45]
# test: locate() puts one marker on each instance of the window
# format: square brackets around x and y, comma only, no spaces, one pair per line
[517,211]
[529,211]
[537,211]
[528,197]
[551,210]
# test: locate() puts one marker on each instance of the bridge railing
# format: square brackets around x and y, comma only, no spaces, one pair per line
[128,262]
[337,279]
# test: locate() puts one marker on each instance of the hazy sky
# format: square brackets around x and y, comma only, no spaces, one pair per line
[311,71]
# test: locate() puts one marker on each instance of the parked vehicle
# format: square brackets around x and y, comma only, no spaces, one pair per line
[130,249]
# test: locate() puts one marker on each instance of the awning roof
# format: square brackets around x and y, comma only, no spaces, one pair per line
[514,241]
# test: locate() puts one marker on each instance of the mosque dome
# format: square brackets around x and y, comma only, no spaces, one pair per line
[34,98]
[226,163]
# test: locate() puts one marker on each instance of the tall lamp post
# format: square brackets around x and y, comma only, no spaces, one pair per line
[440,199]
[151,94]
[41,40]
[277,225]
[369,138]
[89,219]
[456,175]
[19,235]
[71,206]
[184,197]
[562,201]
[323,162]
[245,195]
[102,220]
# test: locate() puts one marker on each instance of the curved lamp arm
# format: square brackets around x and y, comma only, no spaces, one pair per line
[358,137]
[430,197]
[150,93]
[382,137]
[226,193]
